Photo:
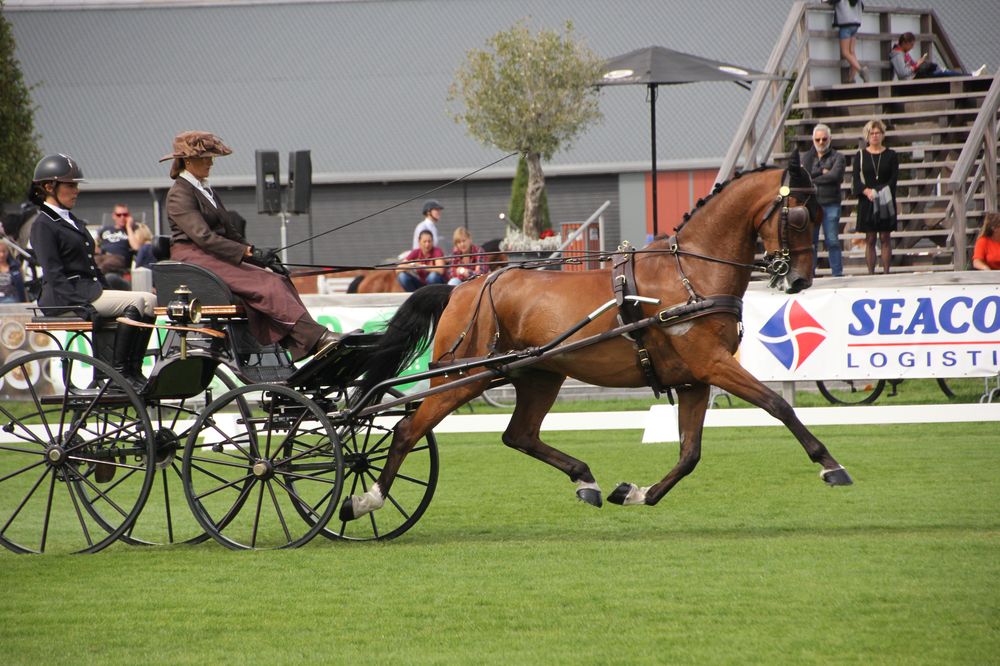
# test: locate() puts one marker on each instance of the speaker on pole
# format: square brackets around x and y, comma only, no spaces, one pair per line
[299,181]
[268,182]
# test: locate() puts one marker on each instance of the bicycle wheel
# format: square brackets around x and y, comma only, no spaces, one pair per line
[500,396]
[851,391]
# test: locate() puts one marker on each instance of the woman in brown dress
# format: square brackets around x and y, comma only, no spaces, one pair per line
[202,233]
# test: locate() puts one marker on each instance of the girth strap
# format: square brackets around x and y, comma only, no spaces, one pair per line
[630,311]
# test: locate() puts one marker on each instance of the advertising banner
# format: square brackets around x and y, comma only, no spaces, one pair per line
[886,333]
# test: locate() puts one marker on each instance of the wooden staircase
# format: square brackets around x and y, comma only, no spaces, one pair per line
[944,130]
[928,124]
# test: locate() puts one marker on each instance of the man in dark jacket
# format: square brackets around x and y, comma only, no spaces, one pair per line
[826,166]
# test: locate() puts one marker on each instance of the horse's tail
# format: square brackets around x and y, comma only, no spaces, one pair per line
[407,335]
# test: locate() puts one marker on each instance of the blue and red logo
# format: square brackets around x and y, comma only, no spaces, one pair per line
[792,335]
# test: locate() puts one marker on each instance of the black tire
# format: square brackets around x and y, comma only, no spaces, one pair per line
[851,392]
[365,444]
[943,385]
[237,486]
[74,460]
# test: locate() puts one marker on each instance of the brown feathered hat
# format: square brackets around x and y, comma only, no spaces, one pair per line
[194,143]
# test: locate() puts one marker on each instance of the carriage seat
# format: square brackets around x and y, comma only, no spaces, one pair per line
[206,286]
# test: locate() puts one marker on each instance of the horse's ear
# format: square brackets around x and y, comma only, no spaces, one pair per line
[794,162]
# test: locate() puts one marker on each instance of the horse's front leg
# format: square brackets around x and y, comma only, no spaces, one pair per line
[730,376]
[691,406]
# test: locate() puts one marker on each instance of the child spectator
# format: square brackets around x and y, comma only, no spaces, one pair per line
[467,260]
[144,255]
[11,281]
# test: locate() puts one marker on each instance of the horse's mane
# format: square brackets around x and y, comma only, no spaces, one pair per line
[715,190]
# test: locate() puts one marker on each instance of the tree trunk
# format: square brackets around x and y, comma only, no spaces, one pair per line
[533,195]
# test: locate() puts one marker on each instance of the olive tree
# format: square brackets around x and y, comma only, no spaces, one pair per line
[529,93]
[18,141]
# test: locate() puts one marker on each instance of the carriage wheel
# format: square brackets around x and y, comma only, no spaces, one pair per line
[239,461]
[74,472]
[366,444]
[166,518]
[851,391]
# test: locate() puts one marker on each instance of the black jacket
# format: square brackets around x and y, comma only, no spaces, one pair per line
[66,255]
[827,184]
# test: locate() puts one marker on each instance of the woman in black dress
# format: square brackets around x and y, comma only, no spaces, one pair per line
[876,168]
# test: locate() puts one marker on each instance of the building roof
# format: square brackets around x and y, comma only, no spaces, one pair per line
[363,84]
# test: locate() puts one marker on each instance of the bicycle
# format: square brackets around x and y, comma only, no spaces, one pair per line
[865,391]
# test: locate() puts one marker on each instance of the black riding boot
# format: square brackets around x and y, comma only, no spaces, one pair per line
[138,353]
[126,340]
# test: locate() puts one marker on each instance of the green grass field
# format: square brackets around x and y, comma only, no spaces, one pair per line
[750,560]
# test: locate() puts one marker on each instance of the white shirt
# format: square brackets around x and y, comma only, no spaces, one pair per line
[201,186]
[64,214]
[426,225]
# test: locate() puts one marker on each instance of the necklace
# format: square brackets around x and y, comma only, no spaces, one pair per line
[876,164]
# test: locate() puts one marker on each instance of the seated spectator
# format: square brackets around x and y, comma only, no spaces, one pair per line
[11,281]
[425,264]
[467,260]
[986,255]
[116,242]
[144,255]
[907,68]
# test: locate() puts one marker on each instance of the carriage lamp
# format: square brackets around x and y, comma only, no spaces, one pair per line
[184,309]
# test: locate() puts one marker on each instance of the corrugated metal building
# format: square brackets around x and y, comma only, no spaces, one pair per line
[363,84]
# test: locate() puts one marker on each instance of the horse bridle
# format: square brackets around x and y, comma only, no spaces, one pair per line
[777,263]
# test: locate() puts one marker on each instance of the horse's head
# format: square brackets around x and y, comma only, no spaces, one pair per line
[787,230]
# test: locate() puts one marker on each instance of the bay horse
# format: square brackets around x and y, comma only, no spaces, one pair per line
[710,259]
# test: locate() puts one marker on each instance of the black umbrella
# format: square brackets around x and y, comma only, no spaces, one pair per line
[655,65]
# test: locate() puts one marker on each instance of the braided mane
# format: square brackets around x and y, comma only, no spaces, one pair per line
[718,188]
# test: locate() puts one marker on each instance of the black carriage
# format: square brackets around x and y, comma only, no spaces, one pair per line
[227,438]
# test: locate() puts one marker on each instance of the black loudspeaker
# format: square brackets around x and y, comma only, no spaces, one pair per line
[299,181]
[268,182]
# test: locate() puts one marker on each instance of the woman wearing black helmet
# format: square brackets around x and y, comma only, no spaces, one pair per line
[65,251]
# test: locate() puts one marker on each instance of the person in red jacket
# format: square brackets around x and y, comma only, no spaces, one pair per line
[986,255]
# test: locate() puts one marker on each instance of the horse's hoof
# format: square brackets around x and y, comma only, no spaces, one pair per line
[834,477]
[591,496]
[619,494]
[347,510]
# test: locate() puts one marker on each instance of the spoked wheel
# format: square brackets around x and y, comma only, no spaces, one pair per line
[166,518]
[851,391]
[366,446]
[258,456]
[74,461]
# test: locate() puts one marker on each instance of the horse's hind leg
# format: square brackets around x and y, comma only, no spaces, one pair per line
[536,392]
[730,376]
[691,405]
[405,435]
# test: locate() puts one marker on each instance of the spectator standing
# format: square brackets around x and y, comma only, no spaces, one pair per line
[847,21]
[876,170]
[144,255]
[826,166]
[11,280]
[202,233]
[422,266]
[467,261]
[986,255]
[906,68]
[432,215]
[116,242]
[71,278]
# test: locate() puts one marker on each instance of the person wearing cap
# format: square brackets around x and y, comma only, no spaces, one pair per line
[203,232]
[432,215]
[71,279]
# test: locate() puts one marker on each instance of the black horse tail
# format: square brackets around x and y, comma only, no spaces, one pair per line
[407,335]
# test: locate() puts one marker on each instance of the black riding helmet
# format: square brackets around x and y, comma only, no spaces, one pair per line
[58,168]
[431,204]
